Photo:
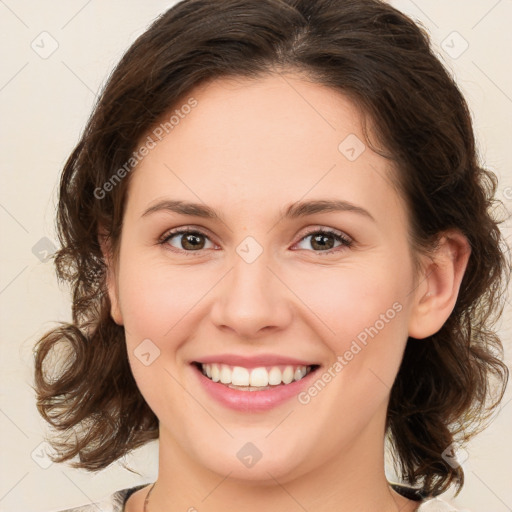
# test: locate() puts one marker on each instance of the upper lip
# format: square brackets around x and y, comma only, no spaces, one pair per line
[253,361]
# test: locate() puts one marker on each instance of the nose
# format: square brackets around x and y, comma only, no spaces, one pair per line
[251,300]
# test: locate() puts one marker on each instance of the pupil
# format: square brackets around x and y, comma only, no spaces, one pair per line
[320,239]
[193,240]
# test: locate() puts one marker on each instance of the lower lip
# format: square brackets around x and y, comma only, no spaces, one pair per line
[253,401]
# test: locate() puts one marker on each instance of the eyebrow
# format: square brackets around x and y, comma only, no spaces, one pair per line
[292,211]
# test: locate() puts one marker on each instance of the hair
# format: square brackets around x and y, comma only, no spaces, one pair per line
[449,384]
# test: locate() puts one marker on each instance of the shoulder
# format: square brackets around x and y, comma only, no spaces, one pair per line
[113,503]
[437,505]
[425,504]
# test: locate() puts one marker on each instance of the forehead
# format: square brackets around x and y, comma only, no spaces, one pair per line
[266,141]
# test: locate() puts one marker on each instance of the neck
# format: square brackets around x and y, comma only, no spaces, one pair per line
[348,480]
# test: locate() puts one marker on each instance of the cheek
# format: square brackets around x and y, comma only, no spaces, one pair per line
[157,302]
[161,306]
[366,314]
[362,311]
[154,297]
[347,300]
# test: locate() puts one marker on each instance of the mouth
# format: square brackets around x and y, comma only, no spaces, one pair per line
[261,378]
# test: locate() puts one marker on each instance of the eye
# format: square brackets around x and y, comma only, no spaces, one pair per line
[323,240]
[191,240]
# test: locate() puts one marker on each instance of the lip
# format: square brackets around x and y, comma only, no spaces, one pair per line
[252,401]
[254,361]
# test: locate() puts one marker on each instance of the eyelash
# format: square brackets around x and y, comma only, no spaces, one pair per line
[345,241]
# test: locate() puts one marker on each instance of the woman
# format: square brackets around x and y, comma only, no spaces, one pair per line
[281,252]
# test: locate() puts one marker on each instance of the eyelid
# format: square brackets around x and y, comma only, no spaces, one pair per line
[346,240]
[183,230]
[323,229]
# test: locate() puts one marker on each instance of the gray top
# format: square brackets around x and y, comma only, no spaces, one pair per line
[115,502]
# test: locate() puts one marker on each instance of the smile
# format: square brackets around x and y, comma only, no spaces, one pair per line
[254,379]
[255,389]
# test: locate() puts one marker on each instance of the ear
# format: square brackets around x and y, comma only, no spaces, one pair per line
[439,284]
[112,286]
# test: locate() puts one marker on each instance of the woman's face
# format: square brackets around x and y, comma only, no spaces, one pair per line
[257,287]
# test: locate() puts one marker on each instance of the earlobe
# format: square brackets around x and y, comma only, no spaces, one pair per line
[111,281]
[438,288]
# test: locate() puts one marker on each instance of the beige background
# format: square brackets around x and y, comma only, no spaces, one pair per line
[45,101]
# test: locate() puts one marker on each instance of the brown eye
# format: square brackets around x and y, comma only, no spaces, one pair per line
[190,240]
[325,240]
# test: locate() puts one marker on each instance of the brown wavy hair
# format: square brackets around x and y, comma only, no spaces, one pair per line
[448,385]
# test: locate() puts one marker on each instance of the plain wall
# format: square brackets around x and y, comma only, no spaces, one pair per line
[45,101]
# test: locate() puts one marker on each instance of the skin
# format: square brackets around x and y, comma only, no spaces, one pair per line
[248,150]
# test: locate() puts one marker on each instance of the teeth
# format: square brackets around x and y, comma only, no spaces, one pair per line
[239,376]
[288,375]
[298,374]
[225,375]
[274,376]
[261,377]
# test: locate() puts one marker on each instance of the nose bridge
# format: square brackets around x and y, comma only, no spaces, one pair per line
[251,298]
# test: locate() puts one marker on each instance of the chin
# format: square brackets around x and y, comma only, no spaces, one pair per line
[257,462]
